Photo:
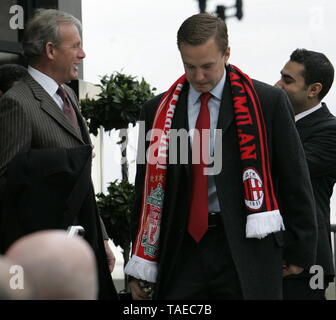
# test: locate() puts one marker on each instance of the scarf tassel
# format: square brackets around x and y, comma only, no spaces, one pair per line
[259,225]
[142,269]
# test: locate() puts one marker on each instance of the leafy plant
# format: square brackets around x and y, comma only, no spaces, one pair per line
[117,206]
[118,104]
[115,209]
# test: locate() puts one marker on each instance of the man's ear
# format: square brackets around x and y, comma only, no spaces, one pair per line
[314,90]
[227,54]
[50,50]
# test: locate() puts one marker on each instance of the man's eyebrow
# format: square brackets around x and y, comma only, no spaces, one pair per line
[285,75]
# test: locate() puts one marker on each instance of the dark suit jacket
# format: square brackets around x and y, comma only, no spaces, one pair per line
[51,189]
[318,135]
[258,262]
[30,119]
[46,189]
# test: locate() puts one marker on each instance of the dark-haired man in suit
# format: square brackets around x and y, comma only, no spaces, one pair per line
[42,112]
[212,229]
[307,78]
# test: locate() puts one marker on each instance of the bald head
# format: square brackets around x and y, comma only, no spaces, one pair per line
[59,267]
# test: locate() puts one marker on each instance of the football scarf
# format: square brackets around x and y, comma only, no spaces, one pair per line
[262,213]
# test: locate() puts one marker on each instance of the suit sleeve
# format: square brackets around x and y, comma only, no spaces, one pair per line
[15,133]
[320,151]
[295,194]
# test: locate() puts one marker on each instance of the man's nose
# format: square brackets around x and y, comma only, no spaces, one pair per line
[82,54]
[199,76]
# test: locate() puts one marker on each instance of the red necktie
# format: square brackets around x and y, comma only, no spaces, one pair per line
[67,108]
[198,214]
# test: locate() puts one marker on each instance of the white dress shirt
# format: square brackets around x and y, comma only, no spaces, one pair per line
[47,83]
[194,106]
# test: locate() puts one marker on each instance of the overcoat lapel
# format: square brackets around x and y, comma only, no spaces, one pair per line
[181,110]
[226,114]
[180,121]
[229,149]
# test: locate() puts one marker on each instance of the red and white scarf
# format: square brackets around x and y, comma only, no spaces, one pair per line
[263,216]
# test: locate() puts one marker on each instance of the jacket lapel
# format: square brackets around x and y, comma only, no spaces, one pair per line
[226,114]
[180,121]
[49,106]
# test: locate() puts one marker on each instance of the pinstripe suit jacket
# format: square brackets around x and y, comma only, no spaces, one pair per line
[30,119]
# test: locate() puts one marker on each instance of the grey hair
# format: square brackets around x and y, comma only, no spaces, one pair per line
[42,28]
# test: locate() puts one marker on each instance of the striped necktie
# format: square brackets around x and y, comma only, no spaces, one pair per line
[68,110]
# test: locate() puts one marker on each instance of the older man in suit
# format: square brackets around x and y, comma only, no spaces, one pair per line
[307,78]
[203,231]
[42,112]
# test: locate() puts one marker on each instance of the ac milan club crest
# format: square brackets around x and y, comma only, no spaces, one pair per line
[254,192]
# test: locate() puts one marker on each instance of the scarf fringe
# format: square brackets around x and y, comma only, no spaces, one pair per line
[259,225]
[142,269]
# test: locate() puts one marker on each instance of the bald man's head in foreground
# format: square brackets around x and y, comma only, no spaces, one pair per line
[58,266]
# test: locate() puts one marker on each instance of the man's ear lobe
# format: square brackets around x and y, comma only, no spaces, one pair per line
[314,90]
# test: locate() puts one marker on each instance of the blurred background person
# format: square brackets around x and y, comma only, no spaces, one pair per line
[307,78]
[9,75]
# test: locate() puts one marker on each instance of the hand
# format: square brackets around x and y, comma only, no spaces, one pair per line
[290,269]
[110,256]
[137,292]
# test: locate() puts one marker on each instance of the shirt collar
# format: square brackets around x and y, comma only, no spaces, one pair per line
[307,112]
[217,91]
[47,83]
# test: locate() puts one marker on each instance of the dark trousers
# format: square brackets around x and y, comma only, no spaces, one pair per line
[205,270]
[298,288]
